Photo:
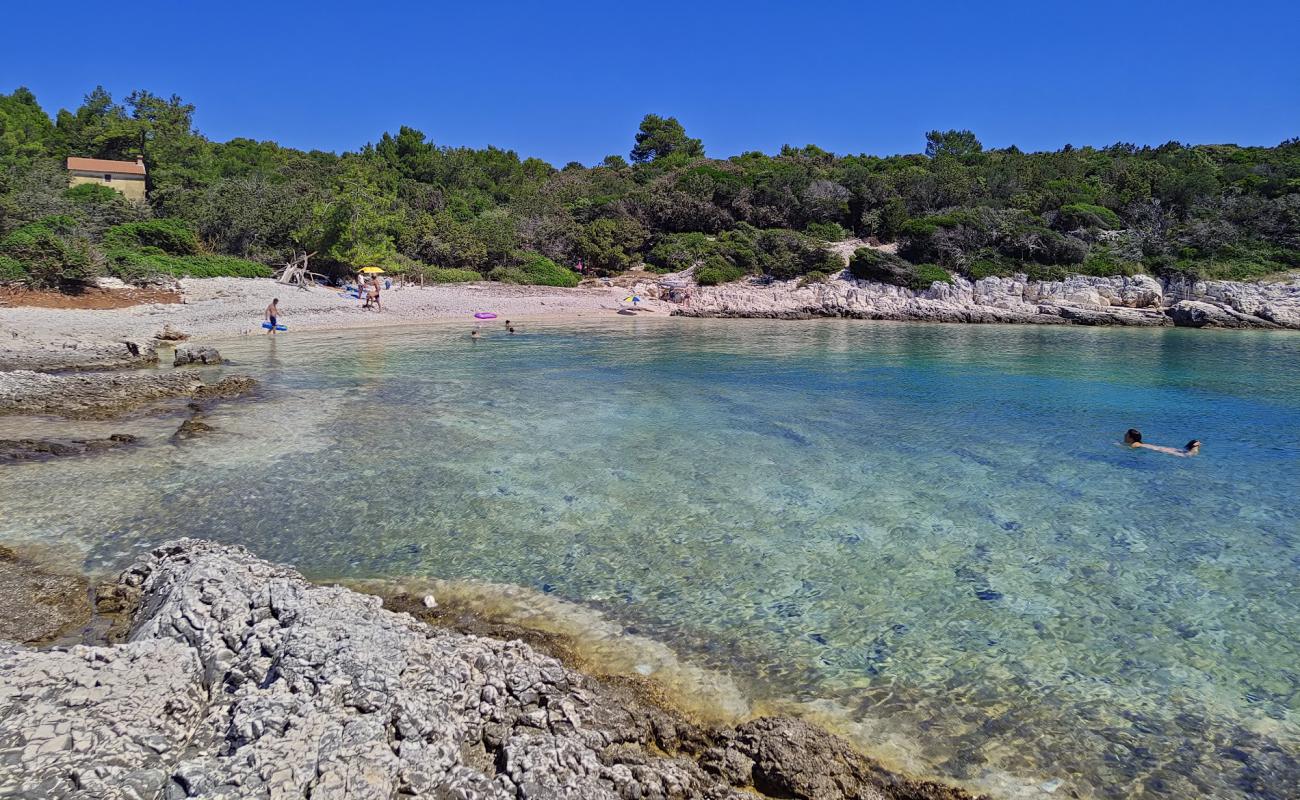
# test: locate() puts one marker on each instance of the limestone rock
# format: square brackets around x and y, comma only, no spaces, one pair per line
[201,354]
[1078,300]
[240,679]
[40,449]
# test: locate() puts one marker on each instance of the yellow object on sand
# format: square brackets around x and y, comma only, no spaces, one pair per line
[370,269]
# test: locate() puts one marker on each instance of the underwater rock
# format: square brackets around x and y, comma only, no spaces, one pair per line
[39,603]
[41,449]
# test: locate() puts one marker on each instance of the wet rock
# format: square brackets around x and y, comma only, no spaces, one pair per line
[41,449]
[18,352]
[196,355]
[89,395]
[1198,314]
[190,428]
[240,679]
[227,388]
[103,395]
[170,334]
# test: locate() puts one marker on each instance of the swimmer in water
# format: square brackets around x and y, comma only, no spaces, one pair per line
[1133,438]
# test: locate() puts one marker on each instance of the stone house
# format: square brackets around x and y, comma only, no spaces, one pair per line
[126,177]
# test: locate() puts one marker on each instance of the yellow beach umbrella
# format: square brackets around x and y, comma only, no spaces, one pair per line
[370,269]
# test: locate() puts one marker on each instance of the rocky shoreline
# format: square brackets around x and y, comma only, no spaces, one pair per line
[238,679]
[1139,300]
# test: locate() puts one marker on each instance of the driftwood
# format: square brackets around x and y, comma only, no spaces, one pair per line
[295,272]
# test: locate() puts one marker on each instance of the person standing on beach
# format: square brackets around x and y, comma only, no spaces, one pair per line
[273,315]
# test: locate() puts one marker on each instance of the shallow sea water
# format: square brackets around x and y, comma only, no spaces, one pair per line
[928,533]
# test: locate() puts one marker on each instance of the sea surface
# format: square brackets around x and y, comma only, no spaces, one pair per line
[928,534]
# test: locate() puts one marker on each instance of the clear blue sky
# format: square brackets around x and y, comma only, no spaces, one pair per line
[570,81]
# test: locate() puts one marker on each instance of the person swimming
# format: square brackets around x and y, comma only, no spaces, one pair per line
[1133,438]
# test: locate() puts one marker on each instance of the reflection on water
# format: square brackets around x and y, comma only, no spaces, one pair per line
[927,530]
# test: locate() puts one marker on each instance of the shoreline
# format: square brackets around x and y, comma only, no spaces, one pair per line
[176,597]
[51,339]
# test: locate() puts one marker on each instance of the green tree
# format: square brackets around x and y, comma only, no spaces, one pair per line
[959,144]
[660,137]
[26,132]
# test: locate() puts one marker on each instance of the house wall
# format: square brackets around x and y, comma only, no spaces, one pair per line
[132,186]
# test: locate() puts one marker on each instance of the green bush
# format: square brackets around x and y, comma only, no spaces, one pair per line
[716,270]
[135,265]
[535,269]
[816,276]
[827,231]
[1103,264]
[927,274]
[678,251]
[11,270]
[439,275]
[172,236]
[1086,215]
[989,268]
[48,252]
[542,271]
[868,264]
[91,193]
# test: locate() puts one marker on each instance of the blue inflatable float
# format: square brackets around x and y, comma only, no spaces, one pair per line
[267,325]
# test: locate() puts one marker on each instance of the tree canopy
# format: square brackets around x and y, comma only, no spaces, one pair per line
[416,206]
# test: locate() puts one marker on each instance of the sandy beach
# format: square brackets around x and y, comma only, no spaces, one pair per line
[223,307]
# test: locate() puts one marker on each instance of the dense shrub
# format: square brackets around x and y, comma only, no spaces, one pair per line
[989,268]
[535,269]
[438,275]
[48,252]
[1104,264]
[11,270]
[92,193]
[1086,215]
[815,276]
[137,265]
[172,236]
[927,274]
[678,251]
[827,231]
[716,270]
[868,264]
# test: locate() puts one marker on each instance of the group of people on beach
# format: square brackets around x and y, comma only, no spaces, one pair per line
[368,292]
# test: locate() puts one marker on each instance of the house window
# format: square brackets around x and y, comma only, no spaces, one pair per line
[108,177]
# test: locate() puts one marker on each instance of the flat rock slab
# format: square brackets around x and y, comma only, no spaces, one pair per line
[100,395]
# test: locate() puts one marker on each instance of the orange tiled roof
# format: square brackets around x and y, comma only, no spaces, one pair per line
[105,165]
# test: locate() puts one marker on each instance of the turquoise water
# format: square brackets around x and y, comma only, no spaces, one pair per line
[928,529]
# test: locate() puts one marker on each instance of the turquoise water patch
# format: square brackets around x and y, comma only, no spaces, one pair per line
[930,528]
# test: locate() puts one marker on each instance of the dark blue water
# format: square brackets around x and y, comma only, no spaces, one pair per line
[926,533]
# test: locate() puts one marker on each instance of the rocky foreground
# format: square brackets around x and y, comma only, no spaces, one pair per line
[239,679]
[1080,300]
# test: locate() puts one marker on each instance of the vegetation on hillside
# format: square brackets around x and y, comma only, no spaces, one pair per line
[451,213]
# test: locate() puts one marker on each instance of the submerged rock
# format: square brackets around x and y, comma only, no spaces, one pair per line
[98,395]
[40,604]
[201,354]
[240,679]
[40,449]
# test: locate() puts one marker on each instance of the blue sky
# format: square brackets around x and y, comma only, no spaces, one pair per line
[570,81]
